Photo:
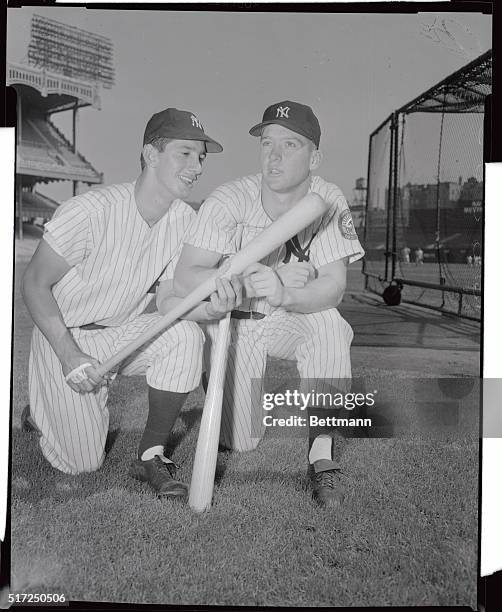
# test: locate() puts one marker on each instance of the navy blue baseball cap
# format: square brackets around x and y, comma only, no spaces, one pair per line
[296,117]
[179,124]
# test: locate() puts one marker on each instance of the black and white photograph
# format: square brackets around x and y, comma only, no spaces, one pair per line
[247,304]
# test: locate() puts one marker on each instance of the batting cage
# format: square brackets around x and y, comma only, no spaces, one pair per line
[425,197]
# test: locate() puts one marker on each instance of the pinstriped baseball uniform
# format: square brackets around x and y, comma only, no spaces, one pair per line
[116,258]
[319,342]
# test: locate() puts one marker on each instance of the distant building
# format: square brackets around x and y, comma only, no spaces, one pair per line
[428,216]
[471,197]
[358,204]
[428,196]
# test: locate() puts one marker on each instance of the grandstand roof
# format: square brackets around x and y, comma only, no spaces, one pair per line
[463,91]
[49,91]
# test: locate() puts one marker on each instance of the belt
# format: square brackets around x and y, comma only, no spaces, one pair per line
[245,314]
[236,314]
[92,326]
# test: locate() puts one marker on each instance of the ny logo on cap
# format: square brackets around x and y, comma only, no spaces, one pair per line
[282,111]
[196,122]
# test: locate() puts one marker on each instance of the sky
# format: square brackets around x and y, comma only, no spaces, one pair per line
[354,70]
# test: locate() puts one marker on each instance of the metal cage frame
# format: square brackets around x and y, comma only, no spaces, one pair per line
[464,91]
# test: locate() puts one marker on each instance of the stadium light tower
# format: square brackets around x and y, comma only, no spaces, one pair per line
[68,50]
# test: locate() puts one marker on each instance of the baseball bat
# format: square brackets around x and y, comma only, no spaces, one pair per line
[206,453]
[302,214]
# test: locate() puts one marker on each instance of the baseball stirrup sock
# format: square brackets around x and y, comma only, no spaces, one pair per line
[164,408]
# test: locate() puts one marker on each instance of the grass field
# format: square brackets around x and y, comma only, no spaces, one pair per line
[406,535]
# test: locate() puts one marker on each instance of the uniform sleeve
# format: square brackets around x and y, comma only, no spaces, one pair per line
[68,232]
[216,224]
[337,237]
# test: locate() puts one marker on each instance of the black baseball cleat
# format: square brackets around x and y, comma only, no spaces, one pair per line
[326,481]
[160,475]
[27,423]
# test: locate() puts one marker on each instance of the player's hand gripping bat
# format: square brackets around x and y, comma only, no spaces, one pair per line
[305,212]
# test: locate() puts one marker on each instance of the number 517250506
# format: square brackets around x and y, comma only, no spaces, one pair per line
[36,598]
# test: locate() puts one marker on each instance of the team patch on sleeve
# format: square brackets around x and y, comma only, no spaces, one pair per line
[346,225]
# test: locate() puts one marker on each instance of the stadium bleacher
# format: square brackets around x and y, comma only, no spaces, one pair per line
[37,205]
[43,147]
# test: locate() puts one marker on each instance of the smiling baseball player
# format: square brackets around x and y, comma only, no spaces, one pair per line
[290,307]
[87,286]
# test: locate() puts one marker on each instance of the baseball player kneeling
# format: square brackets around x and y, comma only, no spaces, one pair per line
[87,287]
[289,309]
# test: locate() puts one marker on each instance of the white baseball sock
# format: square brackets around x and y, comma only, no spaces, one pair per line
[321,448]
